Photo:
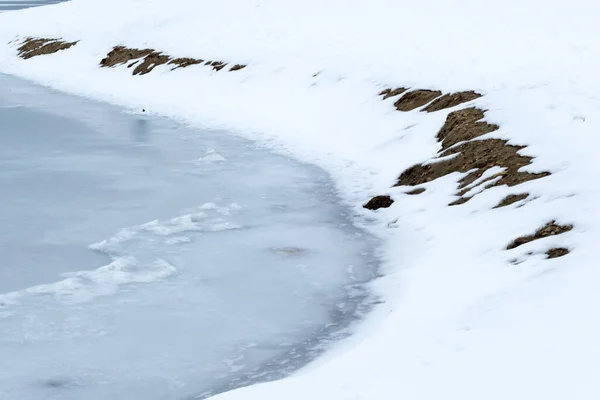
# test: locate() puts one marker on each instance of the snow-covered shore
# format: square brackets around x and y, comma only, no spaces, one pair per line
[462,316]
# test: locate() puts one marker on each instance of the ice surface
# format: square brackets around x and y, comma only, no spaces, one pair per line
[11,5]
[131,270]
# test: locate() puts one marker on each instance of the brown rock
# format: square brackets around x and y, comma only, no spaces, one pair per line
[378,202]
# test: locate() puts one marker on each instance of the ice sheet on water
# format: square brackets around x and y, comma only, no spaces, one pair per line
[211,157]
[204,276]
[125,267]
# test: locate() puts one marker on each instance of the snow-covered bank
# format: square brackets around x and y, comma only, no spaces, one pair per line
[462,317]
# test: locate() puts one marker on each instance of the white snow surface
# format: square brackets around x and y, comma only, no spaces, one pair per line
[458,320]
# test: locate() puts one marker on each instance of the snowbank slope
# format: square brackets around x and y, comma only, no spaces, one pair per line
[462,316]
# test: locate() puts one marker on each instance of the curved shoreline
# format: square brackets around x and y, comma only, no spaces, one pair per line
[81,289]
[472,291]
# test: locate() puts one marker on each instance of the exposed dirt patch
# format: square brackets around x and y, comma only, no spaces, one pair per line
[378,202]
[237,67]
[451,100]
[473,157]
[550,229]
[387,93]
[463,151]
[150,62]
[121,55]
[33,47]
[184,62]
[416,99]
[464,125]
[459,201]
[416,191]
[557,252]
[511,199]
[217,65]
[146,60]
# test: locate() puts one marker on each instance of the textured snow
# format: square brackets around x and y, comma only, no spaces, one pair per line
[458,319]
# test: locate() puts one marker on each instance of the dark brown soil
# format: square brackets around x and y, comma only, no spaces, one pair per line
[550,229]
[237,67]
[451,100]
[121,55]
[151,58]
[511,199]
[464,125]
[479,155]
[387,93]
[416,99]
[150,62]
[378,202]
[557,252]
[416,191]
[184,62]
[33,47]
[476,156]
[218,65]
[459,201]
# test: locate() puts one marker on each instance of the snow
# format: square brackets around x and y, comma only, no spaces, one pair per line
[459,320]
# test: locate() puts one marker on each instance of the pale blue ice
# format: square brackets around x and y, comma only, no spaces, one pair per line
[141,259]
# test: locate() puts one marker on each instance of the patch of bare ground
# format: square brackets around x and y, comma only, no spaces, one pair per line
[416,191]
[146,60]
[465,152]
[557,252]
[416,99]
[237,67]
[550,229]
[378,202]
[473,157]
[121,55]
[450,100]
[183,62]
[150,62]
[217,65]
[33,47]
[387,93]
[511,199]
[464,125]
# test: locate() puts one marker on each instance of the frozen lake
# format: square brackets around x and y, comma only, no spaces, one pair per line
[145,260]
[11,5]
